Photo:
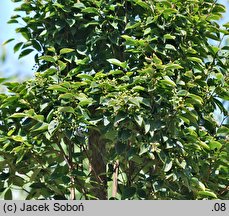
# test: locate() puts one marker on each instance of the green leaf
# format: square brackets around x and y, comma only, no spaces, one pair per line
[124,135]
[142,193]
[147,127]
[10,132]
[67,109]
[38,185]
[85,101]
[157,60]
[85,76]
[50,71]
[115,72]
[79,5]
[169,37]
[191,50]
[4,176]
[128,192]
[168,165]
[204,145]
[167,81]
[172,66]
[62,65]
[129,40]
[143,5]
[219,8]
[138,88]
[169,11]
[51,49]
[47,58]
[8,195]
[39,127]
[132,26]
[118,63]
[57,88]
[38,117]
[53,126]
[212,36]
[207,194]
[196,184]
[17,46]
[196,98]
[226,25]
[12,21]
[90,10]
[18,181]
[214,17]
[170,47]
[139,120]
[119,118]
[58,5]
[66,50]
[43,33]
[20,156]
[182,93]
[36,45]
[17,149]
[18,115]
[223,131]
[120,147]
[147,31]
[215,145]
[134,101]
[78,173]
[190,117]
[221,106]
[8,41]
[2,80]
[25,53]
[66,96]
[195,59]
[17,138]
[145,101]
[24,32]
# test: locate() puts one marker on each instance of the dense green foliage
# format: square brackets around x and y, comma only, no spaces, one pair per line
[141,79]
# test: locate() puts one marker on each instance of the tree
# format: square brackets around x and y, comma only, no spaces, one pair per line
[121,106]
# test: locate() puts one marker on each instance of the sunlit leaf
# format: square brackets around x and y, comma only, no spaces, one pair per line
[7,41]
[118,63]
[57,88]
[215,145]
[66,50]
[18,115]
[66,109]
[207,194]
[47,58]
[195,59]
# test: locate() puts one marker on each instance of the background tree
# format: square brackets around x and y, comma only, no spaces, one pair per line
[124,93]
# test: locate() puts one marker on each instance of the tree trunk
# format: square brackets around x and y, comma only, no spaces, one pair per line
[115,179]
[97,165]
